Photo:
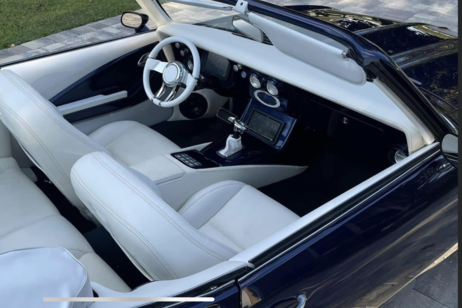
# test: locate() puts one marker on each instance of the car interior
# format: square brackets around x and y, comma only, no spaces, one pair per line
[162,155]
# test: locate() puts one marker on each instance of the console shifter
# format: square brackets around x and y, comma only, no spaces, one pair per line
[234,141]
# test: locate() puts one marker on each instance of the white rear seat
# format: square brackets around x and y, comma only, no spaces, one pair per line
[29,219]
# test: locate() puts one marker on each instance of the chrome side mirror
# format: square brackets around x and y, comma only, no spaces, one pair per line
[134,20]
[450,149]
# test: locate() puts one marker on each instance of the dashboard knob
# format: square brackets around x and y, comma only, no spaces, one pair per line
[190,64]
[237,67]
[177,45]
[184,52]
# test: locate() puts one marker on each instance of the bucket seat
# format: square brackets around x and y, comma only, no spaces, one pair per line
[215,224]
[54,145]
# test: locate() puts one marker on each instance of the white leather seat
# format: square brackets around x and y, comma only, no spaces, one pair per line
[213,226]
[28,219]
[54,145]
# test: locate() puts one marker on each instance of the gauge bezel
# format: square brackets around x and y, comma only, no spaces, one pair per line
[275,85]
[192,64]
[278,102]
[258,78]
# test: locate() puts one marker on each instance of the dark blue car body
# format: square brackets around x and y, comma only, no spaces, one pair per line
[366,250]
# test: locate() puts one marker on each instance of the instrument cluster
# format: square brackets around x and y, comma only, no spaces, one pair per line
[265,89]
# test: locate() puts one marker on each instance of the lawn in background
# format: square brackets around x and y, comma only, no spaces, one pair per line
[26,20]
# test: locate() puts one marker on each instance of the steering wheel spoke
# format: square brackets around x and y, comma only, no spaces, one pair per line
[187,79]
[166,93]
[155,65]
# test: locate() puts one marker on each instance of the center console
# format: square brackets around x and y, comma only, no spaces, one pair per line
[266,131]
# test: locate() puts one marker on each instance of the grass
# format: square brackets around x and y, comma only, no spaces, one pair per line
[26,20]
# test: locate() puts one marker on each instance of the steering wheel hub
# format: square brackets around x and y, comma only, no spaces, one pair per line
[173,74]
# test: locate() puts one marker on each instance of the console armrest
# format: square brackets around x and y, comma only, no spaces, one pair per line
[160,169]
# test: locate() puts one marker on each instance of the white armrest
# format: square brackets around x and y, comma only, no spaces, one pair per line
[91,102]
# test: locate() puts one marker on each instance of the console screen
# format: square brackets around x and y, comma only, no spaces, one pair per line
[265,125]
[217,66]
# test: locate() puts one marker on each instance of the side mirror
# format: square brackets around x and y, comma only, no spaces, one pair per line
[450,149]
[134,20]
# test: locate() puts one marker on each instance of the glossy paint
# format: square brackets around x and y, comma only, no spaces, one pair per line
[391,36]
[405,37]
[438,76]
[371,252]
[346,20]
[227,296]
[426,53]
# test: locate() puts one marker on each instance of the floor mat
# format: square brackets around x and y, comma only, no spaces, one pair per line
[336,170]
[105,246]
[65,208]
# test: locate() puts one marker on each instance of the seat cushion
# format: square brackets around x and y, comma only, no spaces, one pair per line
[28,219]
[133,143]
[235,214]
[22,203]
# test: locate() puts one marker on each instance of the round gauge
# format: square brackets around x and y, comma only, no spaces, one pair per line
[235,68]
[272,87]
[255,81]
[177,45]
[244,74]
[190,64]
[182,53]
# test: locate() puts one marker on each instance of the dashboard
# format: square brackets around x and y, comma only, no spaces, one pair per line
[266,113]
[274,107]
[221,74]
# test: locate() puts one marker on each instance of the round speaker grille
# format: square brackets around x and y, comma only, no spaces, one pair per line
[194,107]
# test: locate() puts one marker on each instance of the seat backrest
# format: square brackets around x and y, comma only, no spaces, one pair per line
[51,142]
[152,234]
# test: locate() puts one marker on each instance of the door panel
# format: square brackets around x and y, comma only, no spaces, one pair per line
[91,102]
[120,76]
[370,253]
[145,113]
[52,74]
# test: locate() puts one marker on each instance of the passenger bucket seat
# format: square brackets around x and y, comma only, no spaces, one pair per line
[54,145]
[215,224]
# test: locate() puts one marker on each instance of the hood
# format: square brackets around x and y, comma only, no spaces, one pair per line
[427,54]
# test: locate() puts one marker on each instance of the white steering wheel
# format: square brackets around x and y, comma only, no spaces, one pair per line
[174,74]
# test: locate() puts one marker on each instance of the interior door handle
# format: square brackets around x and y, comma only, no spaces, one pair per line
[301,301]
